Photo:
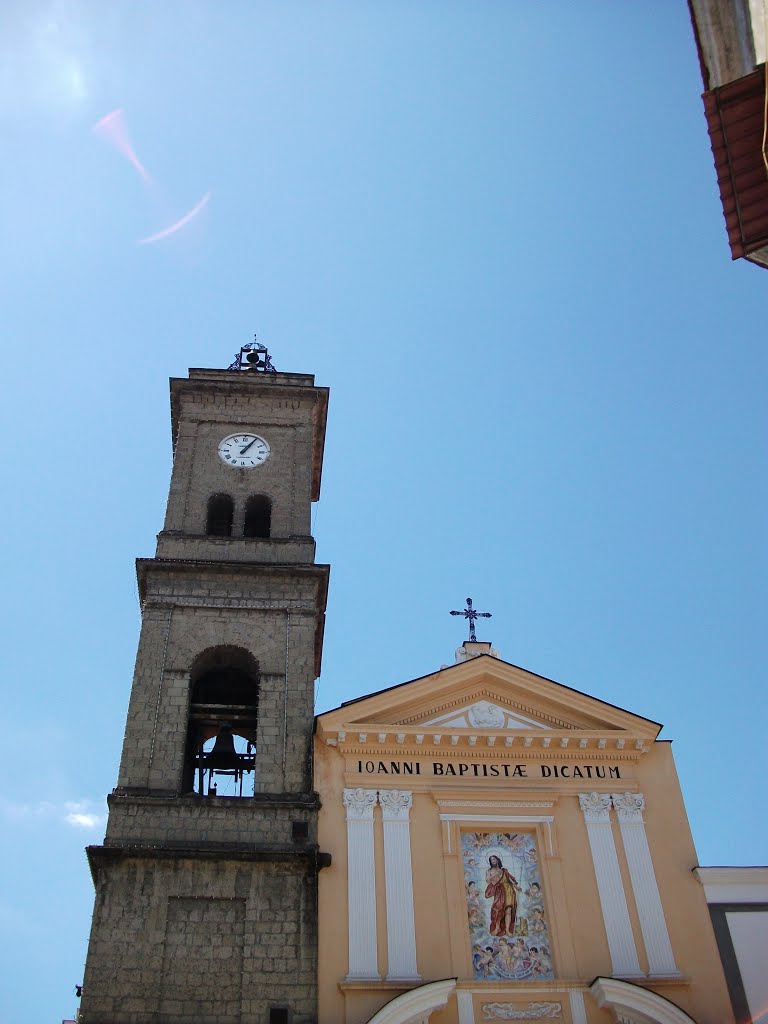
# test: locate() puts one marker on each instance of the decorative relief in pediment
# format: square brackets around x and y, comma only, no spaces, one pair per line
[483,714]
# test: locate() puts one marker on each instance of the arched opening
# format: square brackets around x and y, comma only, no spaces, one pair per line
[636,1004]
[221,511]
[223,715]
[258,516]
[416,1006]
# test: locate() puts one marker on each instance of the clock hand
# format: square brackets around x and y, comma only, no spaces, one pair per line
[244,450]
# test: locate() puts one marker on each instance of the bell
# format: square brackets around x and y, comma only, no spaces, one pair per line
[254,359]
[223,756]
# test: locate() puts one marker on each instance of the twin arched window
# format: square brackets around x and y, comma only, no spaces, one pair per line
[221,516]
[258,516]
[221,512]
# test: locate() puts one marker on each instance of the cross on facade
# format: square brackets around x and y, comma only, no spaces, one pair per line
[470,614]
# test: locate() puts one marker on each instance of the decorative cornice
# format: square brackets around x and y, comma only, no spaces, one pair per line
[162,598]
[629,807]
[595,807]
[99,856]
[734,885]
[400,745]
[359,803]
[395,804]
[496,803]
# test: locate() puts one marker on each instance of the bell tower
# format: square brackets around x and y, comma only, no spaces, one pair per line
[206,880]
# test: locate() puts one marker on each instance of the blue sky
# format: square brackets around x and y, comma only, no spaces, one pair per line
[493,230]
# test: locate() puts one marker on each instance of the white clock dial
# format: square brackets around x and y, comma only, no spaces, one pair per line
[244,451]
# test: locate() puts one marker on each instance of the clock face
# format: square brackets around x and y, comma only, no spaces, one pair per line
[244,451]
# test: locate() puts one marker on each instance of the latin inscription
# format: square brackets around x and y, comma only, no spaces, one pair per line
[481,770]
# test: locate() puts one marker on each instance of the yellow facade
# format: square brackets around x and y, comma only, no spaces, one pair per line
[522,843]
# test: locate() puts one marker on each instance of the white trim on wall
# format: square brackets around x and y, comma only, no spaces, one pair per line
[613,901]
[401,928]
[513,819]
[629,810]
[361,885]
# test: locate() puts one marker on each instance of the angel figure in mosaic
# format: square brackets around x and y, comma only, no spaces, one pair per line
[474,911]
[513,841]
[537,924]
[535,898]
[483,959]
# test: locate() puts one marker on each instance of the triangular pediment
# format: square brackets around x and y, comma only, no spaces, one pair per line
[486,694]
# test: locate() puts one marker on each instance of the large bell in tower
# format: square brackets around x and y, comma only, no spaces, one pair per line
[223,756]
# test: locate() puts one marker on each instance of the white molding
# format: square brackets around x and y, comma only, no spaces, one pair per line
[613,901]
[361,885]
[653,925]
[495,803]
[578,1009]
[734,885]
[416,1006]
[466,1007]
[637,1004]
[498,817]
[595,807]
[395,804]
[510,819]
[629,807]
[398,876]
[359,803]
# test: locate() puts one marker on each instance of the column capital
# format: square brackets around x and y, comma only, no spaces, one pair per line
[595,807]
[395,804]
[629,807]
[359,803]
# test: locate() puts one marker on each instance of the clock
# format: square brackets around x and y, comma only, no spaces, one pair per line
[244,450]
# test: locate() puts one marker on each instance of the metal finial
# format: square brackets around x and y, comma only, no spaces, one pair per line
[471,615]
[253,357]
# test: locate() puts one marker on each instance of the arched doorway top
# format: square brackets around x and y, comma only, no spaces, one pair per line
[415,1006]
[633,1004]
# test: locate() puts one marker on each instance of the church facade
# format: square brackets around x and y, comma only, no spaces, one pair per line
[506,848]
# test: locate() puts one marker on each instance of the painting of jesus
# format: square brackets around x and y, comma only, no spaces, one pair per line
[506,914]
[502,888]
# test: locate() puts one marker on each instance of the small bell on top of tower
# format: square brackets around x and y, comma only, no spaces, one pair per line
[254,356]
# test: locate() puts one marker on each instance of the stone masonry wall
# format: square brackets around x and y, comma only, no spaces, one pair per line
[246,822]
[286,477]
[215,942]
[277,551]
[271,616]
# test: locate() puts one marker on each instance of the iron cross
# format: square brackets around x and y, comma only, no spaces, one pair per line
[470,614]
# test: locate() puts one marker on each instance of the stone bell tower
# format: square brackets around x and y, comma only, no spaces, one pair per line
[206,881]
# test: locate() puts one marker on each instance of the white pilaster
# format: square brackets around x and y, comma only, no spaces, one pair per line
[361,885]
[618,927]
[401,929]
[658,948]
[578,1009]
[466,1011]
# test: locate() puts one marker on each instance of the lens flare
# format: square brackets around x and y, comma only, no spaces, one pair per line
[112,128]
[178,225]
